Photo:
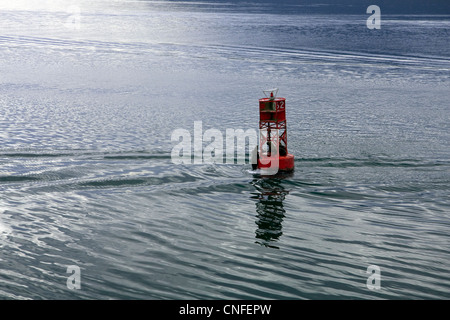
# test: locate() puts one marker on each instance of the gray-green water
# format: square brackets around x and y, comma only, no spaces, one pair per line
[86,175]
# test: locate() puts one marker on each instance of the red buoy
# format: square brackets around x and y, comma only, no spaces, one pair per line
[273,152]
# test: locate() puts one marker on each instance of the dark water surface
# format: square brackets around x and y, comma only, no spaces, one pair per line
[86,175]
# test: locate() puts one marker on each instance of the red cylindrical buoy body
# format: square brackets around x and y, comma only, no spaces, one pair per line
[273,148]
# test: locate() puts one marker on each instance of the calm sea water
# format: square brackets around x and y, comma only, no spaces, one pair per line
[89,98]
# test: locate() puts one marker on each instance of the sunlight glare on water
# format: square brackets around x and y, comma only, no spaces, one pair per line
[89,100]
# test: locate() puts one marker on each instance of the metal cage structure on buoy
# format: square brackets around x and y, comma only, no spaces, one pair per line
[272,151]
